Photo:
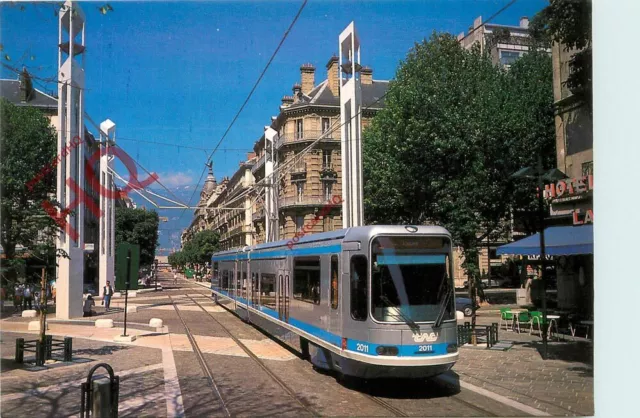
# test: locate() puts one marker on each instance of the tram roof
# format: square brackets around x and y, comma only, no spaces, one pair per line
[356,233]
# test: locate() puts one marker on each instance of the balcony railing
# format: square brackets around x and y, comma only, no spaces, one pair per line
[258,165]
[301,201]
[299,168]
[257,215]
[328,171]
[306,135]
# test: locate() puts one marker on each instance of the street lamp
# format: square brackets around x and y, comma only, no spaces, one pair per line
[551,175]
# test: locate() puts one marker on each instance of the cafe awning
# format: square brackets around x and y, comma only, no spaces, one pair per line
[559,240]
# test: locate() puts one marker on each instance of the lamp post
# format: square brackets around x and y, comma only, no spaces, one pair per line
[541,176]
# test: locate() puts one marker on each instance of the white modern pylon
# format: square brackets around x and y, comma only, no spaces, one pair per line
[351,129]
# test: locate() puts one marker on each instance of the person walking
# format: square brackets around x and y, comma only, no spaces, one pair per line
[175,278]
[28,297]
[17,298]
[107,292]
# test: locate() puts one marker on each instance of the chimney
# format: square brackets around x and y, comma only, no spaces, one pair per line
[286,102]
[26,87]
[524,22]
[296,92]
[333,76]
[307,77]
[366,75]
[477,22]
[251,156]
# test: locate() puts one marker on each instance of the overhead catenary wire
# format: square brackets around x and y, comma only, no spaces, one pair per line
[255,86]
[286,166]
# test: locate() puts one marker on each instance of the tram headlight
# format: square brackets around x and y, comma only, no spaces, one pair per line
[452,348]
[387,350]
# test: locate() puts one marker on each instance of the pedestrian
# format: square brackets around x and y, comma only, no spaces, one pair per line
[107,293]
[17,298]
[28,297]
[175,278]
[88,304]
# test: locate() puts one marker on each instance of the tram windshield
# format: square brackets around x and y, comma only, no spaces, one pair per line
[411,279]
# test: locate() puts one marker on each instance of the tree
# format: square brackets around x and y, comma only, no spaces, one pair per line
[28,147]
[569,22]
[138,226]
[452,131]
[200,248]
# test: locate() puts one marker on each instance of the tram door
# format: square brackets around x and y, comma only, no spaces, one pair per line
[283,295]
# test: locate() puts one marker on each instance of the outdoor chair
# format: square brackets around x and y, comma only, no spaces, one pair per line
[536,318]
[505,316]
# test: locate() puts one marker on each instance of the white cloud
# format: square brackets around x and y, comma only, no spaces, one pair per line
[175,179]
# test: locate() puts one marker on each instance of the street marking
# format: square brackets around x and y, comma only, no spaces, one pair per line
[175,407]
[502,399]
[75,384]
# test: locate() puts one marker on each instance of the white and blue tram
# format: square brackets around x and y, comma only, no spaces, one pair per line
[372,301]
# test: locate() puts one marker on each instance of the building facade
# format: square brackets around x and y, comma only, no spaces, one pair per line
[311,179]
[504,43]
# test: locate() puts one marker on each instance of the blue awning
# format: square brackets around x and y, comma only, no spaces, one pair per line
[559,240]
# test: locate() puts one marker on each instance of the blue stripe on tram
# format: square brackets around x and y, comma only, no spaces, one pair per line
[363,347]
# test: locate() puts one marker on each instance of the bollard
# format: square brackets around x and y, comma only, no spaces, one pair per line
[49,346]
[489,332]
[495,331]
[40,350]
[67,349]
[99,398]
[20,350]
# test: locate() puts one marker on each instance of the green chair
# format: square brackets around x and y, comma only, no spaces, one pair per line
[506,316]
[537,318]
[524,318]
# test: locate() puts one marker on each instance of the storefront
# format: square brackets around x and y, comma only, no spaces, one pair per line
[569,243]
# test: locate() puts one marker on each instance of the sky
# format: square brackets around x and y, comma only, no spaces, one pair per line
[177,72]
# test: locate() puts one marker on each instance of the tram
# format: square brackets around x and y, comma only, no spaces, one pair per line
[372,301]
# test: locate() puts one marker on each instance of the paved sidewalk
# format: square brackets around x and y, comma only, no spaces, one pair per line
[559,386]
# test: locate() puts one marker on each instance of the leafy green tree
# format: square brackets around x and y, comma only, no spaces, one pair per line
[569,23]
[452,132]
[27,179]
[138,226]
[200,248]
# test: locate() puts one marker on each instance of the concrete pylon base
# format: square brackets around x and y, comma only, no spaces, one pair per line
[123,339]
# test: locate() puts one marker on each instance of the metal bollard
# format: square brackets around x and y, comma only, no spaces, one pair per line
[20,350]
[495,331]
[67,349]
[489,332]
[99,398]
[40,350]
[49,346]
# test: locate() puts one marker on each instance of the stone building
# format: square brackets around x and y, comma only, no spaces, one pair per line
[311,114]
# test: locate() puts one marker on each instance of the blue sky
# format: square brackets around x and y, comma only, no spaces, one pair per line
[178,72]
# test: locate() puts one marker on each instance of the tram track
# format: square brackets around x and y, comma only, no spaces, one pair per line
[201,360]
[302,402]
[382,402]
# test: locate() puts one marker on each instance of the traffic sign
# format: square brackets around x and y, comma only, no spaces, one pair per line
[121,266]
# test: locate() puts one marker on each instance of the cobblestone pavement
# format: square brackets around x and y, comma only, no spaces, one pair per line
[162,376]
[561,385]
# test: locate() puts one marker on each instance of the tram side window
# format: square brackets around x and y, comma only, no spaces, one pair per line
[215,279]
[334,281]
[268,290]
[359,287]
[225,279]
[244,285]
[306,279]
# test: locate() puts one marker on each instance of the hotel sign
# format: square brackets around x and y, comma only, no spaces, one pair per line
[568,190]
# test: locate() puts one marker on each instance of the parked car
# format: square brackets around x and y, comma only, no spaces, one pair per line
[465,306]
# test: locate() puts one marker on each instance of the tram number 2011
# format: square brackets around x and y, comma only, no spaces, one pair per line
[363,348]
[425,348]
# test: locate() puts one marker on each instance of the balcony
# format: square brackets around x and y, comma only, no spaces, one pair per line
[257,215]
[305,136]
[301,201]
[259,164]
[328,172]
